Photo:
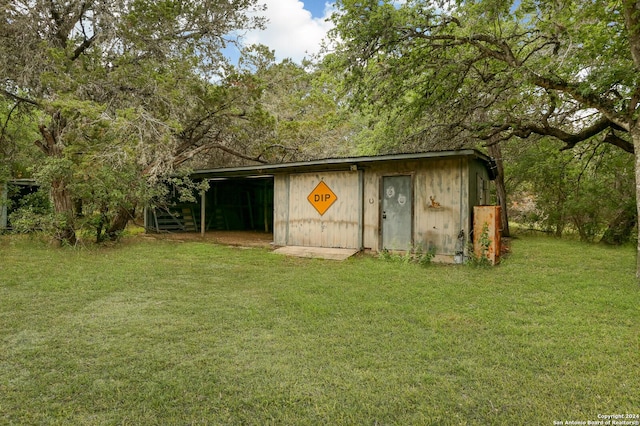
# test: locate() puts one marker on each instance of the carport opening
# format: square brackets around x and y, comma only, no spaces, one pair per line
[240,204]
[230,204]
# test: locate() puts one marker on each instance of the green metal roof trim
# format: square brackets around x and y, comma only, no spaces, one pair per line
[332,164]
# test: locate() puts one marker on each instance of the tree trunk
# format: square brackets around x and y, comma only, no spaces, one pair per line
[63,209]
[119,222]
[635,137]
[52,146]
[496,152]
[102,222]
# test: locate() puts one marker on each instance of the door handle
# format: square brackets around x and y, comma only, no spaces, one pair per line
[384,215]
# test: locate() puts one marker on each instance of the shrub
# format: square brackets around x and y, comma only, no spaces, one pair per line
[33,213]
[416,255]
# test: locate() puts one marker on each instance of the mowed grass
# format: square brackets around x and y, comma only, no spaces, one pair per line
[163,332]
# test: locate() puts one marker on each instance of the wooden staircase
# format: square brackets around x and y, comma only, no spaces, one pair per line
[189,220]
[166,220]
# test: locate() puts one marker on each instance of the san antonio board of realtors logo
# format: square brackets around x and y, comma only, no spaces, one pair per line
[322,197]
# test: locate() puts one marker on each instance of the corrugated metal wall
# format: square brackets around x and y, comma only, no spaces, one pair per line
[445,191]
[298,223]
[441,202]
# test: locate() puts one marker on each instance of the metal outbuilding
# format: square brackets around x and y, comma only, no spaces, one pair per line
[396,202]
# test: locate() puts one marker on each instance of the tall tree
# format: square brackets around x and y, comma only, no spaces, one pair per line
[117,82]
[301,99]
[17,132]
[588,189]
[497,69]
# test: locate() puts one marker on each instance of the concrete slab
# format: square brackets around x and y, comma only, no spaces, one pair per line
[317,252]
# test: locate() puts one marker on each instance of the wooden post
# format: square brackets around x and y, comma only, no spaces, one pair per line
[203,210]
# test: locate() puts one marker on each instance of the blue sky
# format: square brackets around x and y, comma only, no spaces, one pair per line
[296,28]
[316,7]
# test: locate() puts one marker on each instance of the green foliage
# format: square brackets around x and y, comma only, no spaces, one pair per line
[37,201]
[24,221]
[424,258]
[17,133]
[412,256]
[584,190]
[31,213]
[305,119]
[465,73]
[46,223]
[480,259]
[121,103]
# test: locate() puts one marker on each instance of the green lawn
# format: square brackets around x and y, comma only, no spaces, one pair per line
[162,332]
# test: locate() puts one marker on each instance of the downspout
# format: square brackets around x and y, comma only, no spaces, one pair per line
[286,206]
[361,207]
[460,243]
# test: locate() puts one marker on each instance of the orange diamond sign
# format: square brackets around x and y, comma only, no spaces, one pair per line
[322,197]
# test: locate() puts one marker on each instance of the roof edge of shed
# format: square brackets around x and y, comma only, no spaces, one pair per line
[344,163]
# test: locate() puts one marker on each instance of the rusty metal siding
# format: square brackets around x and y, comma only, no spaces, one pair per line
[487,219]
[339,226]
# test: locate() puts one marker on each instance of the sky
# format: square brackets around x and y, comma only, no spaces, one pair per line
[295,29]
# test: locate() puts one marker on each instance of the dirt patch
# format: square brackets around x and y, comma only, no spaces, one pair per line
[230,238]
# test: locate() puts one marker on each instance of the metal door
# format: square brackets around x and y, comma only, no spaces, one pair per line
[397,209]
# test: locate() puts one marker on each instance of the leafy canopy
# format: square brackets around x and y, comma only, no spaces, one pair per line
[494,69]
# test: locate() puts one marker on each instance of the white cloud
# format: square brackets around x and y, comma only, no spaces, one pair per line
[292,32]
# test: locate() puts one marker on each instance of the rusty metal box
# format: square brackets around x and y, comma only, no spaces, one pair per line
[486,232]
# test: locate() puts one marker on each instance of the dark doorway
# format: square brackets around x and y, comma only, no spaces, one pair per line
[240,204]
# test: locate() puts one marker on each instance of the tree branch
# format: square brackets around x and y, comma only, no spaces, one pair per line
[615,140]
[18,98]
[570,139]
[278,146]
[215,145]
[86,43]
[6,121]
[604,106]
[187,155]
[500,50]
[228,150]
